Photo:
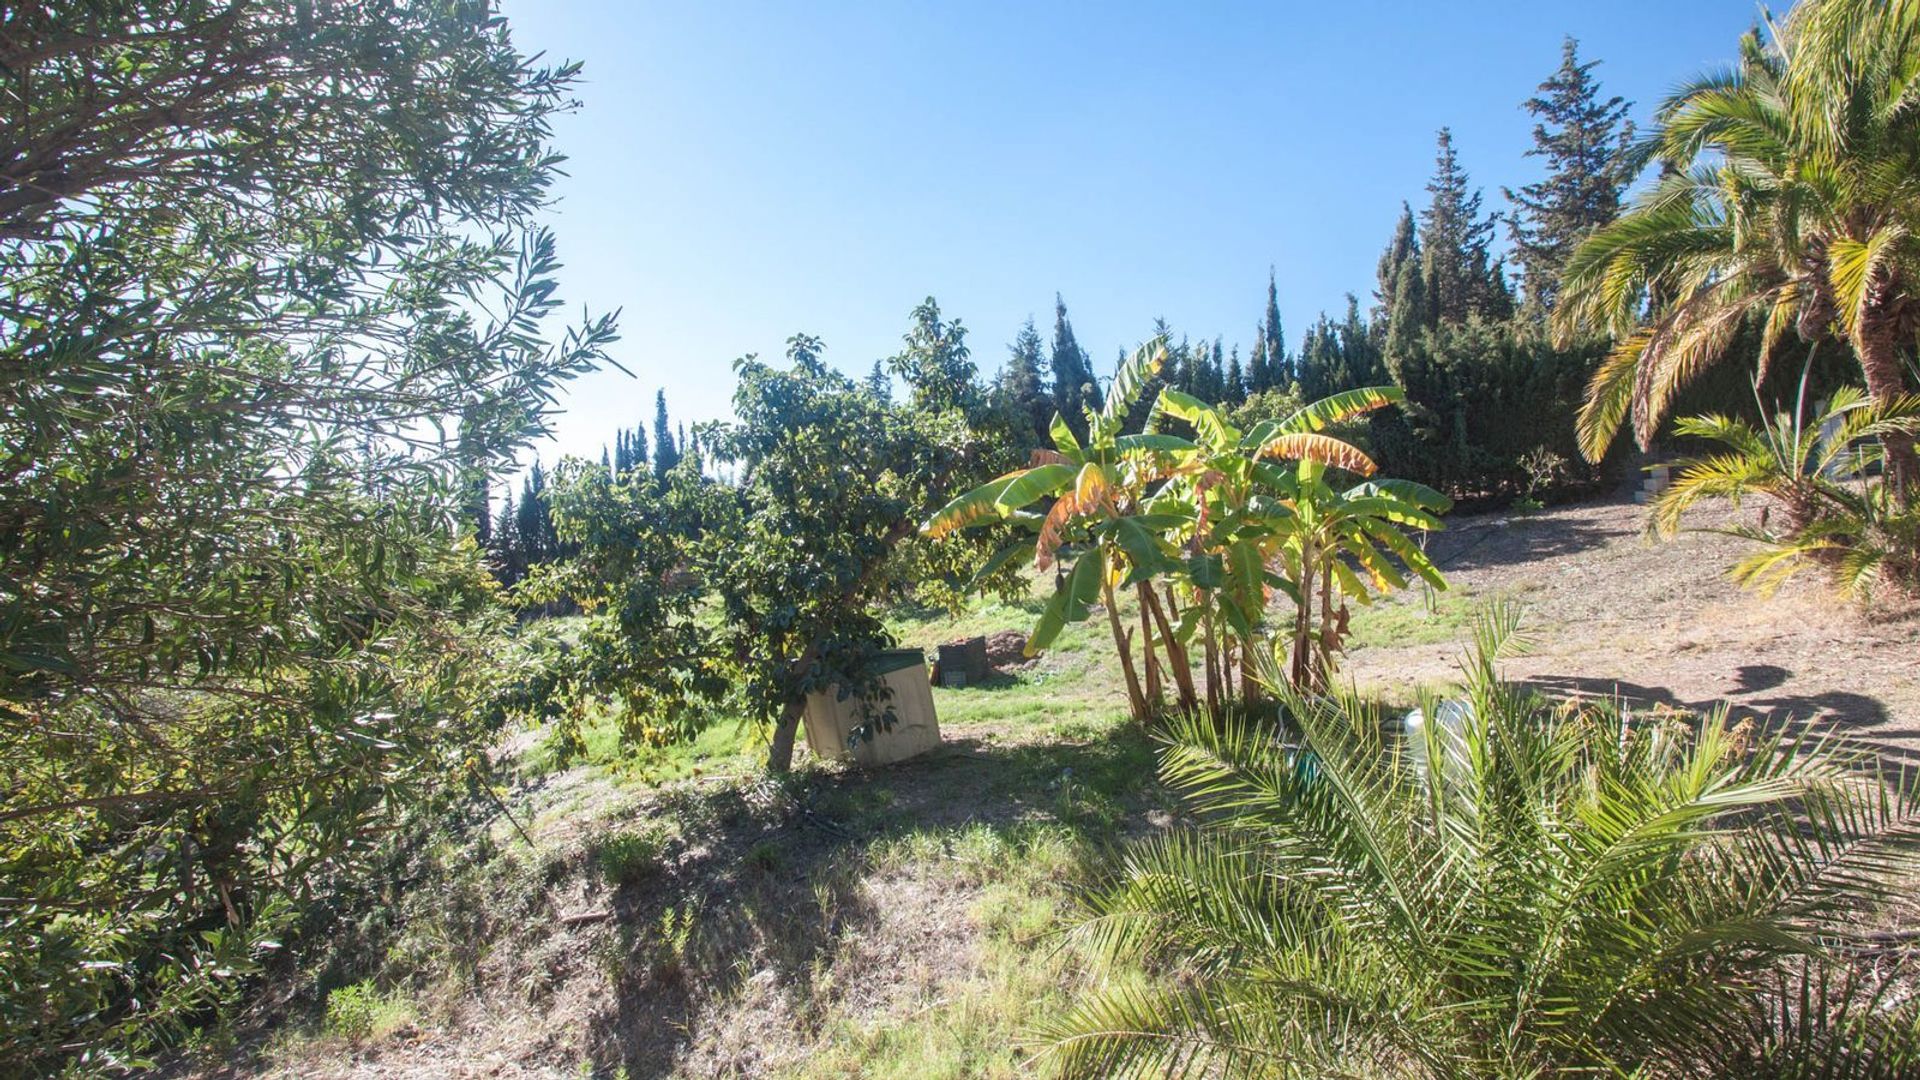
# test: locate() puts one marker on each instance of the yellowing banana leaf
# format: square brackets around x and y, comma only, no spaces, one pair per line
[1321,449]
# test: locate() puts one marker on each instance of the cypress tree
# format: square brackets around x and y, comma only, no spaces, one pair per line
[879,383]
[1279,372]
[1075,390]
[1409,316]
[1405,245]
[1584,141]
[666,453]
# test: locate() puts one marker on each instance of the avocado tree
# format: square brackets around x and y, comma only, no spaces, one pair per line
[796,556]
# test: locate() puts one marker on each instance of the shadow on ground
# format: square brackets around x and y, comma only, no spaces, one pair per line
[771,890]
[1854,715]
[1514,539]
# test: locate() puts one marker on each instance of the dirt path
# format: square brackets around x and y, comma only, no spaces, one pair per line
[1611,612]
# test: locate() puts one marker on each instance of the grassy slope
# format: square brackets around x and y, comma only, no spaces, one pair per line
[900,922]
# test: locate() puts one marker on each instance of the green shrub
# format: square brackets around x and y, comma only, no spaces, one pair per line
[1526,888]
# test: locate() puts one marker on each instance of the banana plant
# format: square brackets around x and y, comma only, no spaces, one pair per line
[1257,527]
[1095,520]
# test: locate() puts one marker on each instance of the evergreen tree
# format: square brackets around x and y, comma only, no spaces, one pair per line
[1234,389]
[666,452]
[1404,246]
[482,511]
[1021,385]
[637,447]
[1279,372]
[1584,141]
[1462,277]
[508,558]
[535,522]
[606,464]
[1408,314]
[1075,390]
[879,383]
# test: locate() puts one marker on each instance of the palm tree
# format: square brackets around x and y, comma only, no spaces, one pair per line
[1790,196]
[1817,472]
[1522,888]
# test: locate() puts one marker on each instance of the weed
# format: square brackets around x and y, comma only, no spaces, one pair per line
[361,1012]
[632,855]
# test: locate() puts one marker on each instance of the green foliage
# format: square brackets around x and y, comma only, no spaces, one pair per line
[1516,887]
[1586,143]
[360,1012]
[1783,203]
[1480,398]
[1214,515]
[631,855]
[1820,473]
[272,304]
[766,591]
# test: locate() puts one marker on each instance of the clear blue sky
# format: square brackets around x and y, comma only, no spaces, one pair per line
[741,172]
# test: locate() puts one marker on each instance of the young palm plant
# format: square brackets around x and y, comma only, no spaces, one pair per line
[1533,888]
[1819,473]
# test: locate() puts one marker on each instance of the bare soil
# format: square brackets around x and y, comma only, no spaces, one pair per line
[1611,612]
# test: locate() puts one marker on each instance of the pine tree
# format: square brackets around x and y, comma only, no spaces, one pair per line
[534,524]
[507,556]
[1584,141]
[1462,277]
[1075,391]
[1021,385]
[666,452]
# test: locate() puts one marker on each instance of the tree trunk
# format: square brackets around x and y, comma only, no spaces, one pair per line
[1213,654]
[1176,653]
[1879,351]
[1136,701]
[1303,619]
[1155,696]
[780,750]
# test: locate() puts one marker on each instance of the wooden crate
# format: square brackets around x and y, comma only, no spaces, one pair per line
[915,730]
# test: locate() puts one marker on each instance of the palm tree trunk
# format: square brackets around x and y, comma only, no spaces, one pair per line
[1122,641]
[1879,350]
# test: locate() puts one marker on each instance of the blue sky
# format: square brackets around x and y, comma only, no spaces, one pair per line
[740,172]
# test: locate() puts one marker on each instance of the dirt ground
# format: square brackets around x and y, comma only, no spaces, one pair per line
[1611,612]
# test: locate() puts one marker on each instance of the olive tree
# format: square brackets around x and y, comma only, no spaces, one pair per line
[271,302]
